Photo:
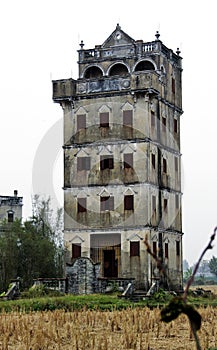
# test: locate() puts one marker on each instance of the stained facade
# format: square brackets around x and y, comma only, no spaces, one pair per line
[122,160]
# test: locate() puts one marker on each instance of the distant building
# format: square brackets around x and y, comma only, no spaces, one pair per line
[11,207]
[122,159]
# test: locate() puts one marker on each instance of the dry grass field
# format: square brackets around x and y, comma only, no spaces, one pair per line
[88,330]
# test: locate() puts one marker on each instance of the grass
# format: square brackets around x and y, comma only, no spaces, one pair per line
[101,302]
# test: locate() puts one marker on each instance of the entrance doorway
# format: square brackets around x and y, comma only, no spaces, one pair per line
[110,264]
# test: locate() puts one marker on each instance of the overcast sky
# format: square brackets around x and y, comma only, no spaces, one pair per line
[39,42]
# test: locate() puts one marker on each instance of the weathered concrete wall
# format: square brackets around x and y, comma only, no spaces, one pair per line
[82,276]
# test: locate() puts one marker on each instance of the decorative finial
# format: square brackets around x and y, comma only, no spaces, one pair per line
[178,51]
[157,35]
[82,44]
[118,26]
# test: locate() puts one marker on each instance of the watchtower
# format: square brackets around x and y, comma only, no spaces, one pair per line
[122,160]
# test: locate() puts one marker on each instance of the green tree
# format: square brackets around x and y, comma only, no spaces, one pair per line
[213,265]
[33,249]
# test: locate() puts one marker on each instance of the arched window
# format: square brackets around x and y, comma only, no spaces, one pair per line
[144,65]
[93,72]
[118,69]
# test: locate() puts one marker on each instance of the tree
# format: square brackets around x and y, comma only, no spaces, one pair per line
[33,249]
[213,265]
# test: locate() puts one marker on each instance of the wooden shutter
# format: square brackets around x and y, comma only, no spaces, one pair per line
[82,205]
[128,202]
[128,118]
[153,160]
[166,250]
[128,160]
[76,251]
[81,121]
[134,249]
[104,119]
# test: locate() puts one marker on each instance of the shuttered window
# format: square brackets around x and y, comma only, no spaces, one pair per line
[76,251]
[128,202]
[134,248]
[82,205]
[175,126]
[106,162]
[153,161]
[81,121]
[164,165]
[177,248]
[104,120]
[83,163]
[106,203]
[152,119]
[166,250]
[128,160]
[128,118]
[154,248]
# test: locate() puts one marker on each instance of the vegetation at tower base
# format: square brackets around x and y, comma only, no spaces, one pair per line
[32,249]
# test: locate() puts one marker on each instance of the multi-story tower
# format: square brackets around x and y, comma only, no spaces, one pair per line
[122,171]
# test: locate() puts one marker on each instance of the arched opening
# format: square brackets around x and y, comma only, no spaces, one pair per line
[93,72]
[144,65]
[118,69]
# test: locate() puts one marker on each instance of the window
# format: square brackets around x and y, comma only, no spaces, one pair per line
[134,249]
[153,203]
[76,251]
[106,203]
[165,205]
[104,120]
[175,126]
[153,160]
[177,201]
[81,121]
[164,165]
[164,124]
[128,118]
[177,248]
[154,248]
[152,119]
[176,163]
[10,216]
[173,86]
[166,251]
[128,202]
[128,160]
[83,163]
[82,205]
[106,162]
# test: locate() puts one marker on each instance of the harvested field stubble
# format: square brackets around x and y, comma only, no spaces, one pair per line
[138,328]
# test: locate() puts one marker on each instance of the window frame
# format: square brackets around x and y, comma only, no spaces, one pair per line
[81,205]
[129,202]
[83,163]
[134,248]
[104,119]
[106,203]
[106,162]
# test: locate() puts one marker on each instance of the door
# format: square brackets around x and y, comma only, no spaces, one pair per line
[110,268]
